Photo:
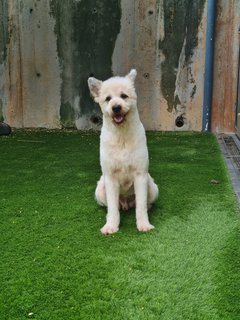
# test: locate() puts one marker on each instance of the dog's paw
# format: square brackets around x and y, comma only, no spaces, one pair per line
[144,227]
[109,229]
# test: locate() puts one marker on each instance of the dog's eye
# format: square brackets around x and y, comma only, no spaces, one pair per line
[108,98]
[124,96]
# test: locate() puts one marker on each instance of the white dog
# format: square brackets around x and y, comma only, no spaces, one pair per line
[125,181]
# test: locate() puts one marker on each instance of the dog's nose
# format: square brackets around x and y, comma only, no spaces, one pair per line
[117,108]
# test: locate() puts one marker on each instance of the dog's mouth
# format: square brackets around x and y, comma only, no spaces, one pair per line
[118,119]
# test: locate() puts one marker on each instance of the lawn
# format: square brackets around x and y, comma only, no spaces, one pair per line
[56,265]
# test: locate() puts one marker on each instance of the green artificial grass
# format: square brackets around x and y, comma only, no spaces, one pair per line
[55,264]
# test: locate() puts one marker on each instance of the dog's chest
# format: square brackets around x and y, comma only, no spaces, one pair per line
[124,155]
[120,156]
[124,174]
[120,164]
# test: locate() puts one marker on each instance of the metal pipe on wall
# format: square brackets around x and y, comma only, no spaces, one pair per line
[208,75]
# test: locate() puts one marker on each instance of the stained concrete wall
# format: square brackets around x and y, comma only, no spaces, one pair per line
[3,54]
[30,72]
[48,49]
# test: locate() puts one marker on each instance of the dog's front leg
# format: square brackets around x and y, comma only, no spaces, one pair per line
[141,192]
[113,215]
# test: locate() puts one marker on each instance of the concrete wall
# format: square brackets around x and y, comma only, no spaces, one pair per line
[48,49]
[226,66]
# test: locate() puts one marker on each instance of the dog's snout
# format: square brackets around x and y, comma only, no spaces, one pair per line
[116,108]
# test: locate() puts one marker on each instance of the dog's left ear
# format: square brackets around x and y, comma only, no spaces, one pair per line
[132,75]
[94,87]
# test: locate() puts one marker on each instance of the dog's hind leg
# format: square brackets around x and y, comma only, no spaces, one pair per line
[153,191]
[100,193]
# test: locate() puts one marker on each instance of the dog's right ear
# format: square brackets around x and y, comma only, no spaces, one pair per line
[94,87]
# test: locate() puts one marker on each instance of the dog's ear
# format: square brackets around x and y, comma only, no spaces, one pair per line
[132,75]
[94,87]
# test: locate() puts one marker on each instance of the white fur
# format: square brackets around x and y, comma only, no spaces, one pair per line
[123,154]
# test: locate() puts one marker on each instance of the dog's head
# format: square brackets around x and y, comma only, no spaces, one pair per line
[116,96]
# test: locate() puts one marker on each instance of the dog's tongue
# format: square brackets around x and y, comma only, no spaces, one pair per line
[118,119]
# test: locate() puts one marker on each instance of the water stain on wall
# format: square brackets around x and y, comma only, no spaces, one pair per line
[3,30]
[3,46]
[181,23]
[86,33]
